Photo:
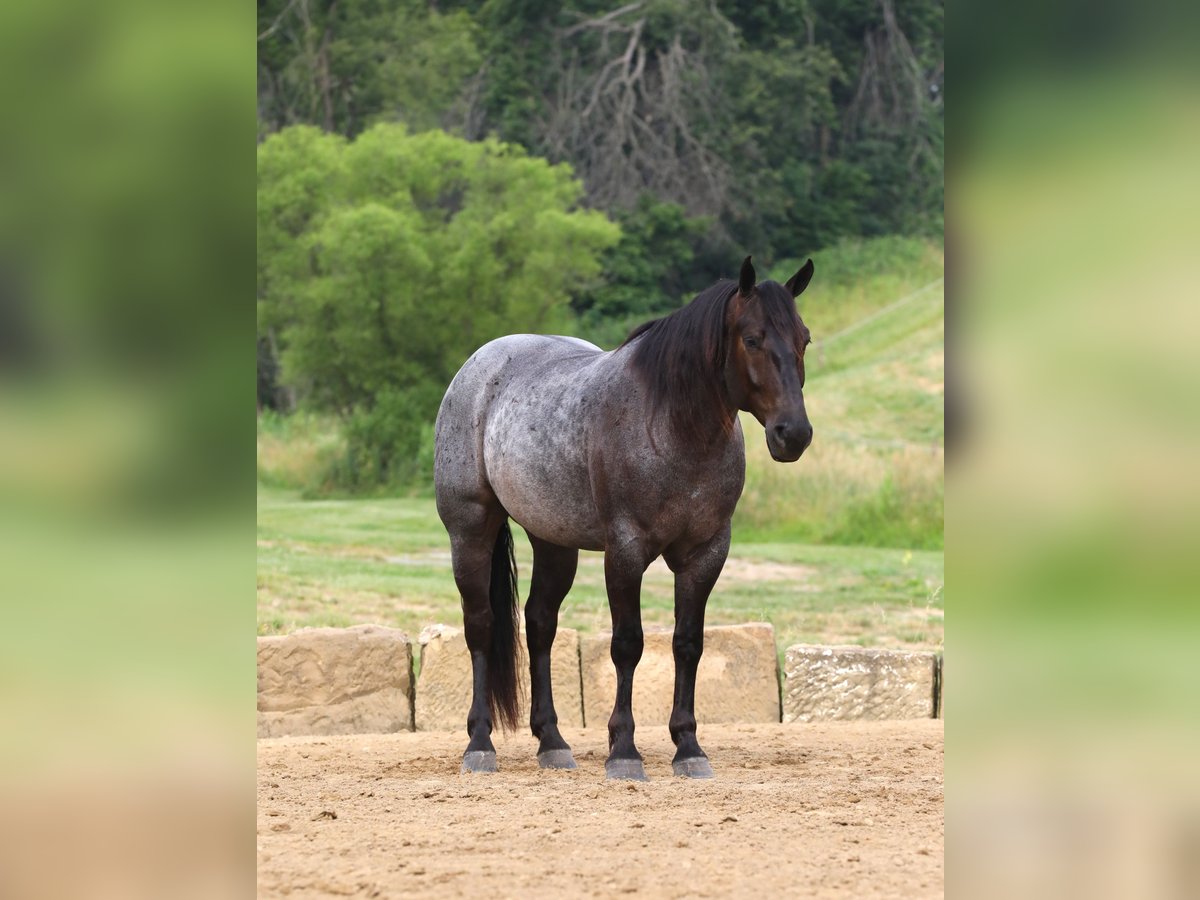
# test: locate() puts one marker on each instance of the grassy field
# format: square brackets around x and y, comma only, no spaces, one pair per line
[342,562]
[874,474]
[841,547]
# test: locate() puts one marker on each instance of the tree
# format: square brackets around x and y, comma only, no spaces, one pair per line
[385,261]
[788,123]
[637,104]
[345,64]
[650,272]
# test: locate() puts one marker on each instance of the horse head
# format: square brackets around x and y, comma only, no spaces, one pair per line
[764,371]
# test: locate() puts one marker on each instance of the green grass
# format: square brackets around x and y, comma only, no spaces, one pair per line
[857,278]
[342,562]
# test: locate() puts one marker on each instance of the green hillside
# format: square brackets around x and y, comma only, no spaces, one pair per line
[875,392]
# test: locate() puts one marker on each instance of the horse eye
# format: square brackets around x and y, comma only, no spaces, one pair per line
[751,343]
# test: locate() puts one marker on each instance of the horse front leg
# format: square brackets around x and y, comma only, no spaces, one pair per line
[696,571]
[624,564]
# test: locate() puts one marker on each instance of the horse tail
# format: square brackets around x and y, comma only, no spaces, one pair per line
[504,654]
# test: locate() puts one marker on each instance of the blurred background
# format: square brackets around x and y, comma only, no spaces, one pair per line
[1075,516]
[126,261]
[694,133]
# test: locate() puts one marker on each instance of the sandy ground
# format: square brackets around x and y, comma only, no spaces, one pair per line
[831,810]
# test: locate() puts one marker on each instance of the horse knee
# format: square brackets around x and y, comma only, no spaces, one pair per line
[627,647]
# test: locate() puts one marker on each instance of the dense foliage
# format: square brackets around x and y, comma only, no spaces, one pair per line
[787,123]
[401,172]
[386,260]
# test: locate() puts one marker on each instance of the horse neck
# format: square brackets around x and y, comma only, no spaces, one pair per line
[698,422]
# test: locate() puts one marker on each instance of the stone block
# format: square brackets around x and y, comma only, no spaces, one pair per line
[737,680]
[824,683]
[443,696]
[335,681]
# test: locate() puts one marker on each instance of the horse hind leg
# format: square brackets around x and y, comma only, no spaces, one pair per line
[553,574]
[479,540]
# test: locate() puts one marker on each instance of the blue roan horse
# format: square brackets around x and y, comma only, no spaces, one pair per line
[638,453]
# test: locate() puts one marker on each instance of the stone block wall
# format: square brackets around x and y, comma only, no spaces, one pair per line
[359,680]
[335,681]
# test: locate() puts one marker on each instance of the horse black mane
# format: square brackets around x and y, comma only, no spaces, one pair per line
[681,357]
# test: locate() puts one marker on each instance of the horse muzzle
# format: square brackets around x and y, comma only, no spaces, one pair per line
[788,440]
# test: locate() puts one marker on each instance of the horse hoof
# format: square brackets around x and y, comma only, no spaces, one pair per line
[625,770]
[478,761]
[556,759]
[692,767]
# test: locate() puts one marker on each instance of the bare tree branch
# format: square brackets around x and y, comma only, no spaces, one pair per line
[629,113]
[273,27]
[892,94]
[605,20]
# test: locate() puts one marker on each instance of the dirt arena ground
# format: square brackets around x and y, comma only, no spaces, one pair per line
[832,810]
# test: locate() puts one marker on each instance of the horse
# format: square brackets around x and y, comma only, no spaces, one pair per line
[637,452]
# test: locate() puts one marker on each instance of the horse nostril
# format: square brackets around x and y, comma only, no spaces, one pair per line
[781,429]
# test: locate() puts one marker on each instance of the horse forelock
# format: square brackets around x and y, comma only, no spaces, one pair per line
[779,310]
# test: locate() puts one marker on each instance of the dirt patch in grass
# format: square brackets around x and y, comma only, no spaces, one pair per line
[747,570]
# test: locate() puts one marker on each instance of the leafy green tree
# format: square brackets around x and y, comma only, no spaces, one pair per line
[648,273]
[517,46]
[385,261]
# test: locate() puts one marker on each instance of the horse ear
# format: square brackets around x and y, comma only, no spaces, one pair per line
[798,282]
[746,280]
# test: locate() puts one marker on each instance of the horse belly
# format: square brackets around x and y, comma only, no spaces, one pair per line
[563,521]
[552,502]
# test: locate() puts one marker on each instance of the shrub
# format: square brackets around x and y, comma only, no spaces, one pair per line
[388,447]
